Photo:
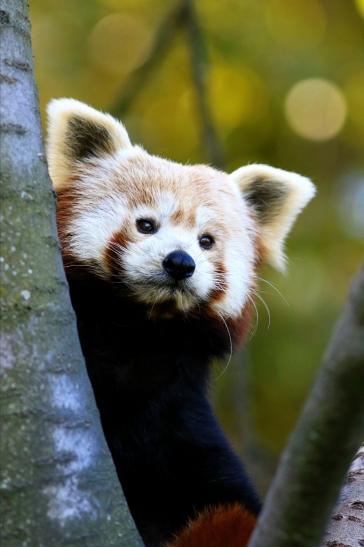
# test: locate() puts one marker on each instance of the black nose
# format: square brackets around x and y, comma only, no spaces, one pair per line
[179,265]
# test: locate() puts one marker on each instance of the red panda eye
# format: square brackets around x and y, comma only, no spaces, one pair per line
[146,226]
[206,241]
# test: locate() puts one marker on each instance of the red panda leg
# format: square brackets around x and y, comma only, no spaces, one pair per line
[223,526]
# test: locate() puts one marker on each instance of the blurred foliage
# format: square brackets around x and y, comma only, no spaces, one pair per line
[286,87]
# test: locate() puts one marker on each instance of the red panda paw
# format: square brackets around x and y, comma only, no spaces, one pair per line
[223,526]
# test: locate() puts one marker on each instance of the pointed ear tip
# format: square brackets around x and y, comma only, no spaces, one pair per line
[52,108]
[63,108]
[309,186]
[306,190]
[301,189]
[59,103]
[64,105]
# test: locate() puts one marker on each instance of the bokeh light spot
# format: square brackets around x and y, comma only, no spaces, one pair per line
[315,109]
[360,6]
[119,43]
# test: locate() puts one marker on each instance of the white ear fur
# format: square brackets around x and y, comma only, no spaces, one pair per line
[77,131]
[277,197]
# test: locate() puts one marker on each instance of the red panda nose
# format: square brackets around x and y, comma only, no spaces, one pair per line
[179,265]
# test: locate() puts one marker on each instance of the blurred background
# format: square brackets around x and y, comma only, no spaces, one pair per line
[231,82]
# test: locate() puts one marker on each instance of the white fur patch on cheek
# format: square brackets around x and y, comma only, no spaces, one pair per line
[239,263]
[203,280]
[90,232]
[141,260]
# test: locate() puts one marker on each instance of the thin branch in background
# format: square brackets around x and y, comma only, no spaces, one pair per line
[162,41]
[199,66]
[329,432]
[183,14]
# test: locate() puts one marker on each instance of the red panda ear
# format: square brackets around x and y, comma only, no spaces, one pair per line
[277,197]
[77,132]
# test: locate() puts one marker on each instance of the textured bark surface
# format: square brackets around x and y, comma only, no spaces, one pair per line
[58,485]
[346,527]
[329,432]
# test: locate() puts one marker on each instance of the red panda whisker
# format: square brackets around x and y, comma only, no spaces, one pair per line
[253,333]
[152,308]
[231,347]
[265,306]
[273,287]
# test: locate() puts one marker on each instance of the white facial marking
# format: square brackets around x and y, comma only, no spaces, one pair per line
[238,259]
[239,275]
[204,215]
[91,230]
[167,205]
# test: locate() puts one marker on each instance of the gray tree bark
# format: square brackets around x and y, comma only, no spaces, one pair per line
[329,432]
[346,528]
[58,485]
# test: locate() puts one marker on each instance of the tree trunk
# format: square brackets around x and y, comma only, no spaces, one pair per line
[58,485]
[346,527]
[329,432]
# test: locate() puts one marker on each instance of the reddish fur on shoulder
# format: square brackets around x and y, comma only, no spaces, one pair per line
[239,327]
[223,526]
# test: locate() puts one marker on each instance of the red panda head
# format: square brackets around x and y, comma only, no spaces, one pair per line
[170,233]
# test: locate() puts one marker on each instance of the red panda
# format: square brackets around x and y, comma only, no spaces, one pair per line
[162,261]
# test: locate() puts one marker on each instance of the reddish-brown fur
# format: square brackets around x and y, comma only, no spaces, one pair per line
[222,526]
[65,202]
[115,247]
[240,326]
[218,293]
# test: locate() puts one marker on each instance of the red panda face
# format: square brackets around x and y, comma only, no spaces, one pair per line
[168,232]
[189,236]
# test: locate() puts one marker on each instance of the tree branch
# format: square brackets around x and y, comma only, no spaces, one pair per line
[323,445]
[58,485]
[198,56]
[164,37]
[184,13]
